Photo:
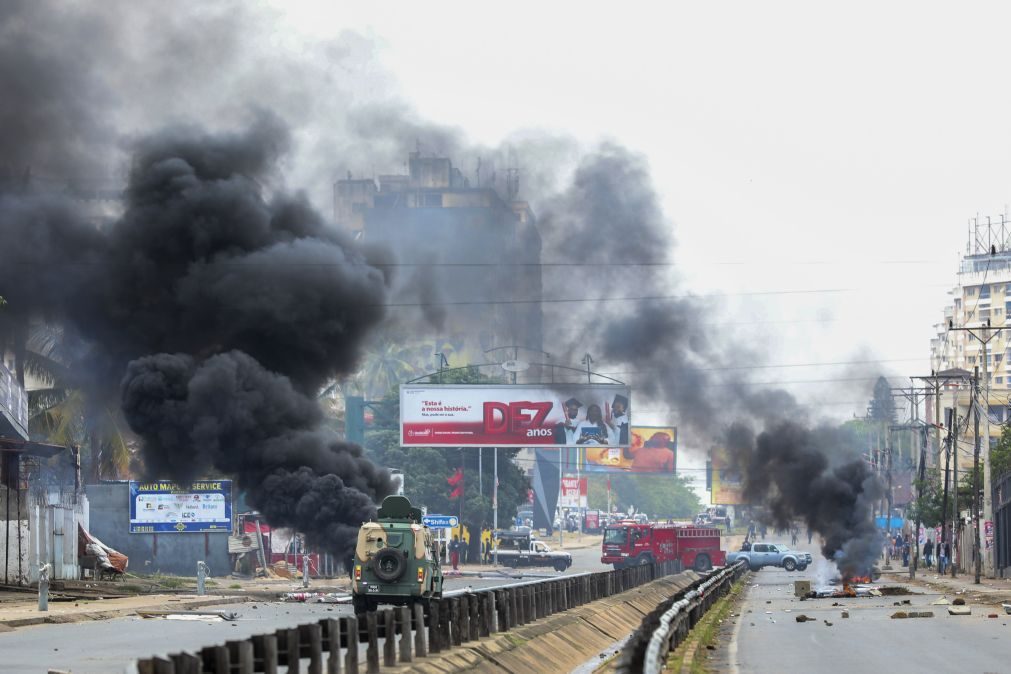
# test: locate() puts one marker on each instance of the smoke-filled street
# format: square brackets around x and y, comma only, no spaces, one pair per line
[474,338]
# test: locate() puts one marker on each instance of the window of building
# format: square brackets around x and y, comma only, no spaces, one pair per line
[970,292]
[984,314]
[1000,380]
[432,200]
[984,292]
[972,315]
[972,360]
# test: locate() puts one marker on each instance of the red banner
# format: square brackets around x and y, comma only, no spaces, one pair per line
[566,415]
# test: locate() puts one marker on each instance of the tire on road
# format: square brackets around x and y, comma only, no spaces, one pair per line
[560,566]
[790,564]
[755,567]
[702,563]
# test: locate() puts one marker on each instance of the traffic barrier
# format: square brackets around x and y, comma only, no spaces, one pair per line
[332,644]
[668,625]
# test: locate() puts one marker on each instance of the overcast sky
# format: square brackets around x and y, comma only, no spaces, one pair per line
[796,148]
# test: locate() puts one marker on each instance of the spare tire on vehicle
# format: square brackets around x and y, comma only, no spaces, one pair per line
[389,564]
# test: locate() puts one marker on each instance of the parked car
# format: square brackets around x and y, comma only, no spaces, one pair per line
[772,554]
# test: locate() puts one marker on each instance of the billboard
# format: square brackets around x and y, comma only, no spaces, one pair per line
[573,494]
[562,415]
[651,449]
[728,482]
[165,507]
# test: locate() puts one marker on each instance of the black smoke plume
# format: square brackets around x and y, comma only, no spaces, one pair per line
[787,468]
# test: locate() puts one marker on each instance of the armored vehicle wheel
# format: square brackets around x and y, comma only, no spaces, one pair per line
[389,564]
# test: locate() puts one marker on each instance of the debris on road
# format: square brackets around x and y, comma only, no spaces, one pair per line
[189,615]
[959,610]
[958,601]
[803,618]
[845,614]
[1007,608]
[899,615]
[940,602]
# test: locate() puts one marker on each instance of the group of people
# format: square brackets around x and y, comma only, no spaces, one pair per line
[900,546]
[458,551]
[609,427]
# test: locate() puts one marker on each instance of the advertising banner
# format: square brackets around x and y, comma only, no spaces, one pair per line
[728,484]
[651,449]
[573,495]
[563,415]
[165,507]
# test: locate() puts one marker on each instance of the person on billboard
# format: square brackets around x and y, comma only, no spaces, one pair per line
[593,430]
[655,456]
[617,420]
[567,432]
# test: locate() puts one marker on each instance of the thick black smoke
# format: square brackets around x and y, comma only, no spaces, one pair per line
[787,468]
[214,279]
[229,414]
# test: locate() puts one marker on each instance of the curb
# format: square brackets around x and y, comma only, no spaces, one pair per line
[109,614]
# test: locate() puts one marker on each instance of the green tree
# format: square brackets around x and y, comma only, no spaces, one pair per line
[659,496]
[882,407]
[1000,454]
[426,469]
[64,411]
[929,505]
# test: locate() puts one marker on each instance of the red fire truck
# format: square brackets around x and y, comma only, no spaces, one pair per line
[627,543]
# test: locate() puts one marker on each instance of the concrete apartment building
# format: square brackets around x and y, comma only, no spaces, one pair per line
[980,299]
[457,243]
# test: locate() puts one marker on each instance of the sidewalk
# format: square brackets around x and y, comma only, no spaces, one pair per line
[989,591]
[23,613]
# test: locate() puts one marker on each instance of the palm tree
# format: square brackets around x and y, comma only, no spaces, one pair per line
[65,412]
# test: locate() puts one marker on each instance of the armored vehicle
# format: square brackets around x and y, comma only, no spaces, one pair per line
[396,561]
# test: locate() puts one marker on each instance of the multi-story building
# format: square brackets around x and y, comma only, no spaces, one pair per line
[467,256]
[981,300]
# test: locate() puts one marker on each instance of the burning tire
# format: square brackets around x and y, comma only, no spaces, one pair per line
[790,565]
[388,565]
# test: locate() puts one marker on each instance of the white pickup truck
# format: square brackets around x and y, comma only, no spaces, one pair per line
[771,554]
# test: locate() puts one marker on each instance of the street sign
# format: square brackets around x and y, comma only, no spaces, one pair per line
[441,521]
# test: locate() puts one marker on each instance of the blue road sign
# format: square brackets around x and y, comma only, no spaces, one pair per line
[441,521]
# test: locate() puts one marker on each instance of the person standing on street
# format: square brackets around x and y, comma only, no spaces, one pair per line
[942,559]
[454,553]
[928,552]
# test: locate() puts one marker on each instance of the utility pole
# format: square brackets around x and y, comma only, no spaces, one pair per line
[983,336]
[975,474]
[920,479]
[945,538]
[955,532]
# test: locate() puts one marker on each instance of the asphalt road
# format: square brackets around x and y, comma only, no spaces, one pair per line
[767,638]
[110,645]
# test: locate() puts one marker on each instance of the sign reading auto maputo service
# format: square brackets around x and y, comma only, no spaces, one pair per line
[165,507]
[562,415]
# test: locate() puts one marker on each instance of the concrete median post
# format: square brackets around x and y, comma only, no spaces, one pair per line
[454,608]
[311,646]
[434,643]
[331,643]
[372,651]
[475,617]
[389,638]
[463,618]
[241,655]
[419,631]
[265,652]
[404,623]
[349,638]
